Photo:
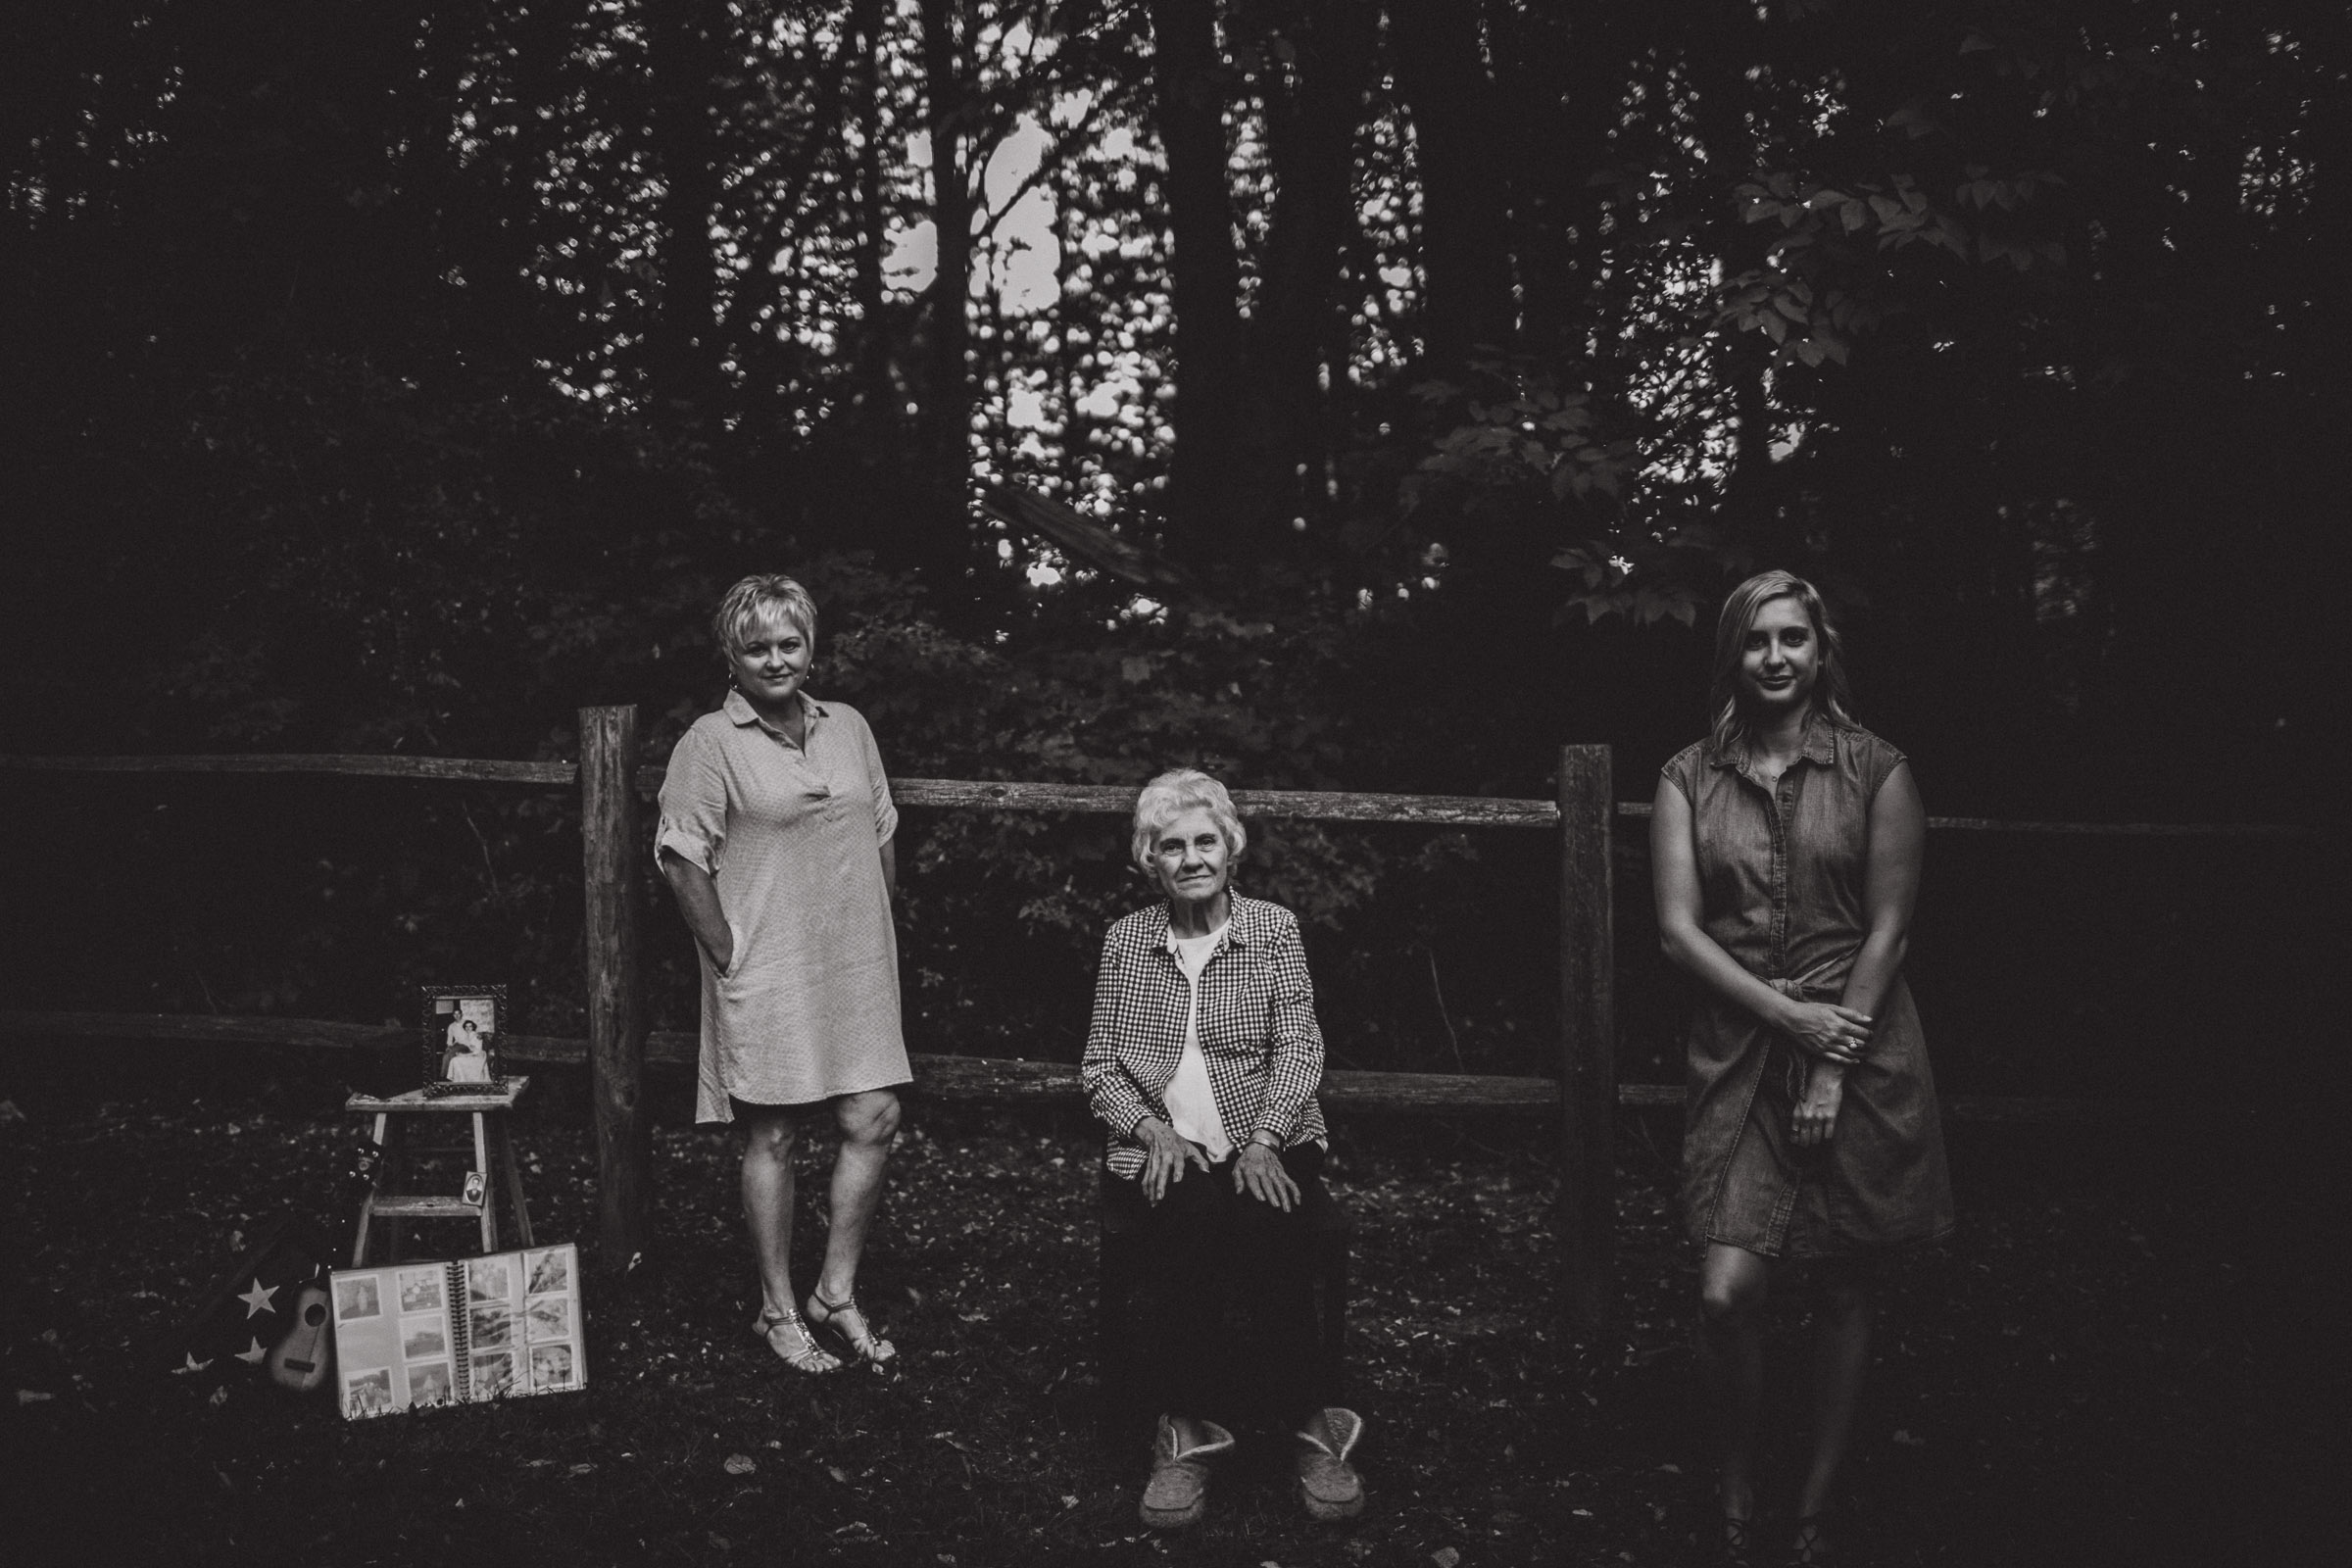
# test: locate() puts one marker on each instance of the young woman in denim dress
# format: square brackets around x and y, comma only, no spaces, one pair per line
[1785,850]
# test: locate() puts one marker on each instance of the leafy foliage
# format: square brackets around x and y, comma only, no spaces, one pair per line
[407,376]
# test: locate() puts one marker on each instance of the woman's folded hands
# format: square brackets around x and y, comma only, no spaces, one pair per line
[1827,1030]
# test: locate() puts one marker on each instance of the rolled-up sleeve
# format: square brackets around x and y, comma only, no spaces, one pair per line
[1294,1054]
[1110,1092]
[886,810]
[694,804]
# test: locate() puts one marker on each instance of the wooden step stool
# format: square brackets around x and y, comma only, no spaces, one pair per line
[493,1155]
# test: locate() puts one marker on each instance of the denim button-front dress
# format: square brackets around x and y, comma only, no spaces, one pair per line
[1780,872]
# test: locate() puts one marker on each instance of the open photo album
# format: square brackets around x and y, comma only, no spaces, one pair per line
[479,1328]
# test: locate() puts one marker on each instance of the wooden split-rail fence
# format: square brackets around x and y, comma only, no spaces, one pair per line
[1584,1096]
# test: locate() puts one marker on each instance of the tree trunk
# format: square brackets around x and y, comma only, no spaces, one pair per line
[684,51]
[871,373]
[1441,72]
[937,543]
[1310,139]
[1562,81]
[1205,278]
[1719,56]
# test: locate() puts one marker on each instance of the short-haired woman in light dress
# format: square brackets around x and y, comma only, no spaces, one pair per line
[776,838]
[1785,849]
[1202,1059]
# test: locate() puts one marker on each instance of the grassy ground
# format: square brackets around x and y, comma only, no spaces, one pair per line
[2106,1365]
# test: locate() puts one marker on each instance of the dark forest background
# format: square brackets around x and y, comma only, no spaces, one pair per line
[1338,395]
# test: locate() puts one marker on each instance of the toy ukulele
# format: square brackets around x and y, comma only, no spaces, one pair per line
[302,1357]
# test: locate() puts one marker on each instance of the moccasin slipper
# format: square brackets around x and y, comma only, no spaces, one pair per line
[1177,1493]
[1327,1483]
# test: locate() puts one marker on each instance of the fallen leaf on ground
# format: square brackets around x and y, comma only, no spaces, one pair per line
[740,1464]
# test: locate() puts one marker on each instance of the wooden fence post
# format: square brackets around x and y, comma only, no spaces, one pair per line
[612,845]
[1587,1206]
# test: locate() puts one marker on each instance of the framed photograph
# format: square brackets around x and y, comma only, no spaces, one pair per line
[462,1026]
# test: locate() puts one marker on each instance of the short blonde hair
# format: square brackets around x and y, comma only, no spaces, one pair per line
[1177,790]
[753,600]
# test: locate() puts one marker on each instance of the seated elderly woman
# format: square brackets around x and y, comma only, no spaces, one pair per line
[1202,1059]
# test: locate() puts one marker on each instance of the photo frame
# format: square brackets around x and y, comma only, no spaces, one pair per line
[460,1031]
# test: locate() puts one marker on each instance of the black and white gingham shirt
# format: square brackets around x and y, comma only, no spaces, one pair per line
[1259,1034]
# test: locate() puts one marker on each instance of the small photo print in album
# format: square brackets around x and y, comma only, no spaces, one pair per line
[357,1296]
[421,1290]
[423,1339]
[552,1368]
[547,1270]
[548,1317]
[490,1328]
[493,1375]
[429,1384]
[367,1393]
[490,1279]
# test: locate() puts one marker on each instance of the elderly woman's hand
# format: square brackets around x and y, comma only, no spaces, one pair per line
[1258,1173]
[1165,1151]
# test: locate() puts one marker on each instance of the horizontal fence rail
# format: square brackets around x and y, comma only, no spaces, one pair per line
[1580,1100]
[448,769]
[1321,806]
[1008,1081]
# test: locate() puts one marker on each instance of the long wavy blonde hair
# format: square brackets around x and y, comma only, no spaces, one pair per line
[1732,726]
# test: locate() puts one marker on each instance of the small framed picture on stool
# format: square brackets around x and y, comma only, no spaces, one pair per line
[462,1026]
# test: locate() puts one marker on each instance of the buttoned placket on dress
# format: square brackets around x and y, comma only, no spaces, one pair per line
[801,756]
[1780,801]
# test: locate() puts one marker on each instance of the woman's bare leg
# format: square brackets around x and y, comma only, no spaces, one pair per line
[1842,1315]
[1734,1283]
[870,1126]
[768,1136]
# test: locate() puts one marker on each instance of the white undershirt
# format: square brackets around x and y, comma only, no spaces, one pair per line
[1192,1103]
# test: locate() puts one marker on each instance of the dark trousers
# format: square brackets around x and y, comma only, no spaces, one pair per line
[1226,1313]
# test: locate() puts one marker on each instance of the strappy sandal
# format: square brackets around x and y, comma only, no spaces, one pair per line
[1813,1543]
[811,1357]
[844,1320]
